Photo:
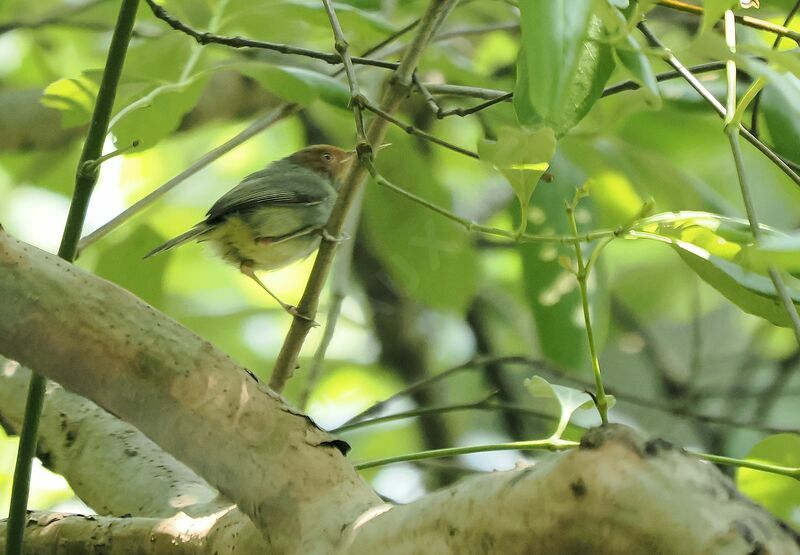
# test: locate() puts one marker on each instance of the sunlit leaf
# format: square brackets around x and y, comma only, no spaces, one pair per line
[783,251]
[716,248]
[73,97]
[522,156]
[566,399]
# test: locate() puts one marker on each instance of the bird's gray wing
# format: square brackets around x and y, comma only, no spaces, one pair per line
[274,186]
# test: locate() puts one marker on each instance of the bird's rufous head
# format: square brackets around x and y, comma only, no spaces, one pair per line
[327,160]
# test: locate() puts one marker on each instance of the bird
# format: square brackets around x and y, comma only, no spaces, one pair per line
[275,216]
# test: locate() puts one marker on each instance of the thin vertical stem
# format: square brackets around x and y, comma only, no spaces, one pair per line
[732,131]
[85,180]
[582,276]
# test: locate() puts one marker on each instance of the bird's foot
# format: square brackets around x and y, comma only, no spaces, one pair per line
[297,314]
[332,238]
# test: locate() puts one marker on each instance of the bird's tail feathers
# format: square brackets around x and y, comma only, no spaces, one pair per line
[193,233]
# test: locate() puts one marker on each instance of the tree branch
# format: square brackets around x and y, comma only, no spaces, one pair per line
[568,503]
[275,464]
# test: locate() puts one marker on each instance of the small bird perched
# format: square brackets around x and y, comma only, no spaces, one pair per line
[275,216]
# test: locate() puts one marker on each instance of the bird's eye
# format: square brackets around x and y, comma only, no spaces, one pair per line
[327,156]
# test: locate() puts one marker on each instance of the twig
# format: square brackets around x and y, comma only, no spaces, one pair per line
[632,85]
[84,184]
[357,100]
[239,42]
[746,20]
[496,96]
[552,444]
[668,57]
[483,404]
[411,130]
[400,84]
[791,472]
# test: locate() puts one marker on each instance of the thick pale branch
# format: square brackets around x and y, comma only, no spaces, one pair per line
[616,494]
[189,398]
[110,464]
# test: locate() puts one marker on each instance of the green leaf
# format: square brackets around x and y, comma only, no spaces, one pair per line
[522,156]
[156,118]
[713,11]
[427,256]
[296,84]
[636,62]
[562,66]
[779,494]
[122,264]
[716,248]
[73,97]
[565,400]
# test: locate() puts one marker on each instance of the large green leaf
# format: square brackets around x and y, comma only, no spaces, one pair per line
[779,494]
[563,63]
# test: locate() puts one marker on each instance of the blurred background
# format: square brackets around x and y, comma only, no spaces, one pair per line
[423,296]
